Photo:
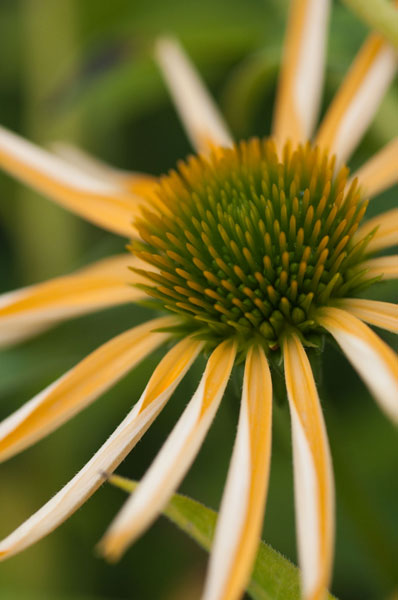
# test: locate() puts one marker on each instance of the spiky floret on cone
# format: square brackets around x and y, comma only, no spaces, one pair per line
[246,245]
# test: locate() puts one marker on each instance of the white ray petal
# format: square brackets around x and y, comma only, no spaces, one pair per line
[386,235]
[313,478]
[202,120]
[381,314]
[358,98]
[101,202]
[12,336]
[301,78]
[375,362]
[385,267]
[240,519]
[163,382]
[103,284]
[175,457]
[380,171]
[127,180]
[79,387]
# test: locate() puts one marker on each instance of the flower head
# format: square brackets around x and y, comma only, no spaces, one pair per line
[252,250]
[246,246]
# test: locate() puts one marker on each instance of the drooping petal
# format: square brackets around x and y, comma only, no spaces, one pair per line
[386,235]
[385,267]
[301,78]
[375,362]
[175,457]
[239,524]
[381,314]
[313,478]
[358,98]
[379,172]
[105,283]
[11,336]
[100,202]
[201,118]
[137,183]
[163,382]
[79,387]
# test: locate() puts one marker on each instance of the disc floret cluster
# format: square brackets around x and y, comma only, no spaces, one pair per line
[243,244]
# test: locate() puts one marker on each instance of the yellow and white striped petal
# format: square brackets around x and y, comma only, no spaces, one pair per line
[301,78]
[201,118]
[100,202]
[162,384]
[375,362]
[11,336]
[379,172]
[313,477]
[79,387]
[175,457]
[240,520]
[358,98]
[386,235]
[137,183]
[105,283]
[381,314]
[385,267]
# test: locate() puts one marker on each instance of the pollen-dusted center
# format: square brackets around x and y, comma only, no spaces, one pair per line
[248,246]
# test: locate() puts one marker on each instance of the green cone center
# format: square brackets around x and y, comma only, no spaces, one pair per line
[244,244]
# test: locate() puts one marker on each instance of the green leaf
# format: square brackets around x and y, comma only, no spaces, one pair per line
[377,14]
[273,578]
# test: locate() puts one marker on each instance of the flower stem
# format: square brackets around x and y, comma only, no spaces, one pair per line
[274,577]
[380,15]
[47,238]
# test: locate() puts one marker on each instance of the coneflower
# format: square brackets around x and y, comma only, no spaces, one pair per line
[253,252]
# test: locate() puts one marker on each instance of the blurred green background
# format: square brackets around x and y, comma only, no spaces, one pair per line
[82,71]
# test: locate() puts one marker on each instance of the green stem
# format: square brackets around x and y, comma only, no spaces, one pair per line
[273,576]
[47,238]
[380,15]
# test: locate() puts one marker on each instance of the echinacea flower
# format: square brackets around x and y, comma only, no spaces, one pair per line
[254,252]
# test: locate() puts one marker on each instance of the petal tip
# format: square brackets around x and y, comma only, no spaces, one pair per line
[113,545]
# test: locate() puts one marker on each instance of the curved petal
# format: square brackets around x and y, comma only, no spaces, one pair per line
[201,118]
[239,523]
[313,478]
[301,78]
[375,362]
[11,336]
[175,457]
[79,387]
[381,314]
[358,98]
[387,230]
[137,183]
[106,283]
[379,172]
[385,267]
[100,202]
[162,384]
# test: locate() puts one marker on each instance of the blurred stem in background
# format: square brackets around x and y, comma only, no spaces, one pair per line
[48,239]
[377,14]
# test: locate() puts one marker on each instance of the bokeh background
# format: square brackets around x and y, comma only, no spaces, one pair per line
[82,71]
